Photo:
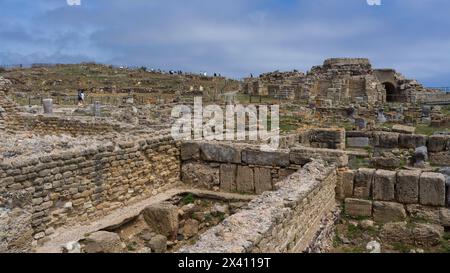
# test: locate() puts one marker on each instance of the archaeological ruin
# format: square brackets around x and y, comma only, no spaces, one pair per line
[363,163]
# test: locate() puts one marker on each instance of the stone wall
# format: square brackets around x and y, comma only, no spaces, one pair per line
[74,187]
[51,125]
[290,219]
[246,168]
[438,145]
[390,196]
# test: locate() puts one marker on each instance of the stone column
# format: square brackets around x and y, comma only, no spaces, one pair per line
[48,106]
[97,109]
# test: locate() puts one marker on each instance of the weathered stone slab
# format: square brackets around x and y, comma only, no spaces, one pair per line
[304,155]
[412,141]
[220,153]
[245,180]
[261,158]
[441,158]
[228,177]
[385,212]
[437,143]
[432,189]
[189,150]
[263,180]
[102,242]
[358,207]
[384,185]
[407,189]
[162,218]
[358,142]
[445,217]
[363,183]
[403,129]
[386,140]
[423,213]
[344,187]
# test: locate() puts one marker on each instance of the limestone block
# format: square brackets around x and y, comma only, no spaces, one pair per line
[412,141]
[261,158]
[228,177]
[244,180]
[432,189]
[102,242]
[363,183]
[385,212]
[304,155]
[220,153]
[358,207]
[387,140]
[441,158]
[398,128]
[358,142]
[445,217]
[345,183]
[437,143]
[263,180]
[190,150]
[162,218]
[384,185]
[424,213]
[407,189]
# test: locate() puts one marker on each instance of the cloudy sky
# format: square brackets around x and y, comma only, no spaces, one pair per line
[232,37]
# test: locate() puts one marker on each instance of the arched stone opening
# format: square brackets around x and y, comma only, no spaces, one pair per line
[391,93]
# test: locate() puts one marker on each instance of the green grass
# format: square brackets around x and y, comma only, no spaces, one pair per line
[188,199]
[403,248]
[423,129]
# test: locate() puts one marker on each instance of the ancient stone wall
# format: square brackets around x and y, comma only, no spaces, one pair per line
[49,125]
[246,168]
[395,196]
[438,146]
[293,218]
[70,188]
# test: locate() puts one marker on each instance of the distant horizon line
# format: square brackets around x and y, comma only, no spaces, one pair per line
[211,74]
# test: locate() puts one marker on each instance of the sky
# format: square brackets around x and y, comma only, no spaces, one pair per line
[232,37]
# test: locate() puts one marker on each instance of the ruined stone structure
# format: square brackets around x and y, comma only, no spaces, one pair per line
[342,80]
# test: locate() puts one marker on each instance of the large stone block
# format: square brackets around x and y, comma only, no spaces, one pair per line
[345,183]
[200,175]
[220,153]
[423,213]
[261,158]
[407,189]
[440,159]
[437,143]
[190,150]
[263,180]
[358,207]
[358,142]
[384,185]
[412,141]
[403,129]
[331,138]
[162,218]
[245,180]
[102,242]
[363,183]
[387,140]
[228,177]
[304,155]
[432,189]
[385,212]
[445,217]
